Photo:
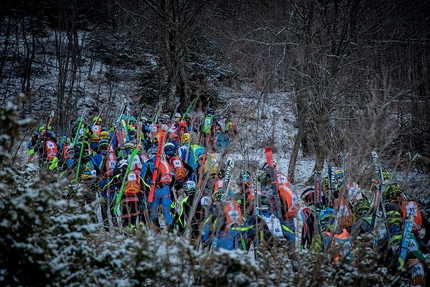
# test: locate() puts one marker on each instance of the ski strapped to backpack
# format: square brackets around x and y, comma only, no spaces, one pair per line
[271,164]
[378,212]
[317,200]
[407,229]
[81,151]
[81,121]
[161,138]
[188,109]
[227,179]
[124,181]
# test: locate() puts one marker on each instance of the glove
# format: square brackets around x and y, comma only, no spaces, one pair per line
[31,151]
[93,173]
[54,164]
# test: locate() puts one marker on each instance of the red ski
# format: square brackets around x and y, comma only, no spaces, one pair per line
[156,164]
[271,164]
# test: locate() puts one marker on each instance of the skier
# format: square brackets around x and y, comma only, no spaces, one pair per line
[105,165]
[245,196]
[94,132]
[415,261]
[162,194]
[182,170]
[329,237]
[130,202]
[308,217]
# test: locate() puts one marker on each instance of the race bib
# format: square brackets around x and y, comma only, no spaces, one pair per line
[177,163]
[274,225]
[205,201]
[131,176]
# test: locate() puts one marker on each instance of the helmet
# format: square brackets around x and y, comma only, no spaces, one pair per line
[386,175]
[199,151]
[169,149]
[97,119]
[49,135]
[392,191]
[132,132]
[308,195]
[264,177]
[217,195]
[243,178]
[361,208]
[177,116]
[103,144]
[327,218]
[129,145]
[395,222]
[210,111]
[190,186]
[104,135]
[325,181]
[63,139]
[165,119]
[132,120]
[185,138]
[152,151]
[122,164]
[143,119]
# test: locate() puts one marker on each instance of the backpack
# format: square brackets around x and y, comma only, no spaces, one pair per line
[51,149]
[207,124]
[178,167]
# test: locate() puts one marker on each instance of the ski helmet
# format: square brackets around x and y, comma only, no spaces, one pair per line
[392,191]
[209,112]
[143,119]
[264,177]
[152,151]
[185,138]
[104,135]
[129,145]
[103,144]
[165,119]
[199,152]
[361,208]
[327,218]
[177,116]
[217,195]
[395,222]
[122,165]
[190,186]
[132,120]
[169,149]
[308,196]
[97,119]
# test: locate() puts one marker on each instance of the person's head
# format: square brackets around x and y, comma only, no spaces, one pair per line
[361,208]
[178,116]
[185,138]
[264,178]
[199,152]
[103,145]
[327,219]
[190,187]
[392,192]
[395,222]
[308,196]
[122,166]
[165,119]
[169,149]
[132,120]
[97,120]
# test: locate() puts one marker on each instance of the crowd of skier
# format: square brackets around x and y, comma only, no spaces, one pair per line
[167,166]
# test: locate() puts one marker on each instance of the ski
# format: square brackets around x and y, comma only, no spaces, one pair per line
[317,200]
[271,164]
[81,151]
[407,229]
[175,110]
[156,164]
[124,181]
[78,130]
[378,207]
[188,109]
[227,179]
